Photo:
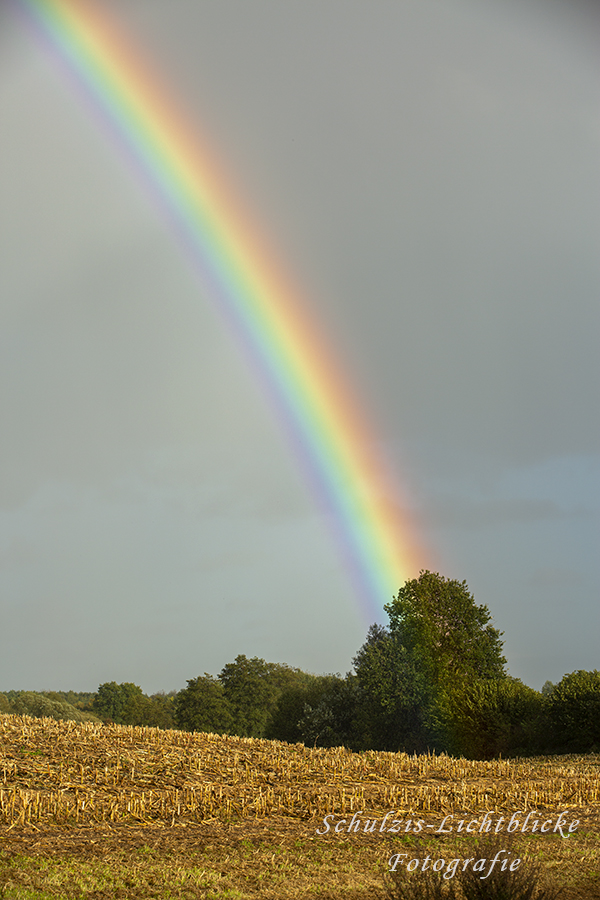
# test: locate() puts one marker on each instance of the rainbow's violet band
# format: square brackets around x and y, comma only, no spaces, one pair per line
[331,438]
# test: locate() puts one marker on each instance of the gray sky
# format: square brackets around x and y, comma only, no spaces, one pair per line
[429,173]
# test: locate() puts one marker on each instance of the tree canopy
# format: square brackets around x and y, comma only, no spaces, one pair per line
[438,639]
[434,678]
[452,638]
[252,688]
[118,702]
[203,706]
[393,696]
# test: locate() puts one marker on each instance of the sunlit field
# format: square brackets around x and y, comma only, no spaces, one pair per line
[98,811]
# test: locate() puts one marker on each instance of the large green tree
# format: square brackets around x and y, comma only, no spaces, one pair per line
[393,696]
[451,637]
[120,703]
[451,642]
[203,706]
[252,688]
[410,673]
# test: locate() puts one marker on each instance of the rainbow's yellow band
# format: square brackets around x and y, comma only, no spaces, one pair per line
[332,438]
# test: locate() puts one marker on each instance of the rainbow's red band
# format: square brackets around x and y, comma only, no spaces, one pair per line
[332,438]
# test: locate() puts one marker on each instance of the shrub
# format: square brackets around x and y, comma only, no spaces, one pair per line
[494,717]
[501,884]
[472,881]
[418,885]
[30,703]
[573,711]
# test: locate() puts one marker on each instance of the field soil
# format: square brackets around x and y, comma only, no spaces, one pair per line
[90,811]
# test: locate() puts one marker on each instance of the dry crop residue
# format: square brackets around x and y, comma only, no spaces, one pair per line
[82,773]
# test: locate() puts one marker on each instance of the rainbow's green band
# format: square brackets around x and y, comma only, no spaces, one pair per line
[332,438]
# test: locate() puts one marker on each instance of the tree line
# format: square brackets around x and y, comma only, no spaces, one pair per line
[433,679]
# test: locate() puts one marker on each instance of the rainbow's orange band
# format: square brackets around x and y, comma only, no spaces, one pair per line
[332,437]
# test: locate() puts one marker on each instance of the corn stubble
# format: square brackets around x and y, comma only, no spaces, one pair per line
[59,773]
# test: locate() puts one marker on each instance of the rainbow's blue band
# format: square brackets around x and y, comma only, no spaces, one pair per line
[331,438]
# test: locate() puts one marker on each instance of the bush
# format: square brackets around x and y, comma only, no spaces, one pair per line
[30,703]
[573,712]
[494,717]
[473,881]
[525,883]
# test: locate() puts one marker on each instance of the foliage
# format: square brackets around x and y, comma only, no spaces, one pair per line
[451,637]
[203,706]
[493,717]
[126,704]
[79,699]
[284,723]
[330,722]
[160,710]
[393,694]
[122,704]
[437,640]
[31,703]
[573,711]
[252,688]
[524,883]
[244,700]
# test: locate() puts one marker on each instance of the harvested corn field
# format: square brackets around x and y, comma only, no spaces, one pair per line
[64,772]
[93,811]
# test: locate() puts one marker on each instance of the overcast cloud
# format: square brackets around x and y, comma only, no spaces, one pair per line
[429,174]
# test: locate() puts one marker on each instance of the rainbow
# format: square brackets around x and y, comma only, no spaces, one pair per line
[330,436]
